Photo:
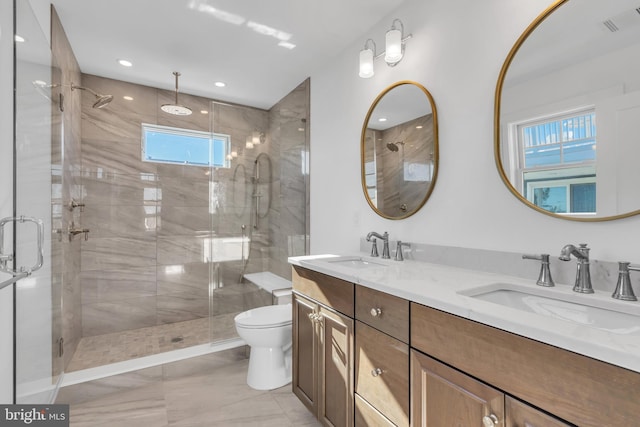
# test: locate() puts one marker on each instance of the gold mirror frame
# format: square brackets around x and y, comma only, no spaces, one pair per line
[435,155]
[496,129]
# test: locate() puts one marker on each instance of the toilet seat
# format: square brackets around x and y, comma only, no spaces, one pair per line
[270,316]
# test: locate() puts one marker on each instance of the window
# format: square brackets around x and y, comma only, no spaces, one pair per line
[557,162]
[162,144]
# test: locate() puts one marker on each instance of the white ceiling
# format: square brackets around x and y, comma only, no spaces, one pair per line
[234,41]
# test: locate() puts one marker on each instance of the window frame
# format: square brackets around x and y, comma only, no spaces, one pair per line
[517,150]
[169,130]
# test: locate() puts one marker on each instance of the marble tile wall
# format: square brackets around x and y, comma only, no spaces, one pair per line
[289,130]
[394,190]
[153,226]
[66,186]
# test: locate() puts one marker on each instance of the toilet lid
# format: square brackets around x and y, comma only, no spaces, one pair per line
[269,316]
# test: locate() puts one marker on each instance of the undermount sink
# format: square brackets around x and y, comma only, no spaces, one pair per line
[589,310]
[353,262]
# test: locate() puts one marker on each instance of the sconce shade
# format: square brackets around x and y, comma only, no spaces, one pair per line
[393,47]
[366,63]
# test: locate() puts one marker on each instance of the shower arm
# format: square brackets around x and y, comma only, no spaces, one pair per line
[91,91]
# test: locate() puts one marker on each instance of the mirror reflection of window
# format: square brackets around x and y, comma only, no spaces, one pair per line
[576,64]
[555,160]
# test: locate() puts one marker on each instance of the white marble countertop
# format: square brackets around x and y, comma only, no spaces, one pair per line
[443,287]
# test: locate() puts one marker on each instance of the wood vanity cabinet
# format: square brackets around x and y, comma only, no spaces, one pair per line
[530,374]
[382,359]
[323,342]
[442,396]
[366,358]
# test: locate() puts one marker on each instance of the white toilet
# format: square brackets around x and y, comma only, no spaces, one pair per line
[267,330]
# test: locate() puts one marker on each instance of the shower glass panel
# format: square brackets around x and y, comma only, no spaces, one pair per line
[37,297]
[261,200]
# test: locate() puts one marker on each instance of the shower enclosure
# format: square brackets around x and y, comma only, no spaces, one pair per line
[141,256]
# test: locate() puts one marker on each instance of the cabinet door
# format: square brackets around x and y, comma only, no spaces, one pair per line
[336,368]
[445,397]
[382,373]
[522,415]
[305,352]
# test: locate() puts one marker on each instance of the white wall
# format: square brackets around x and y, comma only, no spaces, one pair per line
[456,52]
[6,193]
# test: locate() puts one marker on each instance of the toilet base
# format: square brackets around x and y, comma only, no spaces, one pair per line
[269,368]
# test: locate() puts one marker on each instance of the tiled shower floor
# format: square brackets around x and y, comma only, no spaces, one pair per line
[120,346]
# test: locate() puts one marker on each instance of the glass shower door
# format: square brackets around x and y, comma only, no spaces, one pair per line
[38,296]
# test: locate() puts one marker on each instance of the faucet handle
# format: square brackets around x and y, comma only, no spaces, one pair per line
[544,279]
[624,290]
[374,247]
[399,254]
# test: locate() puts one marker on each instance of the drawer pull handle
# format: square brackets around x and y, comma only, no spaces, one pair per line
[316,318]
[376,372]
[490,421]
[376,312]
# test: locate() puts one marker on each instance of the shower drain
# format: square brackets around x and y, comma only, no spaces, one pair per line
[176,339]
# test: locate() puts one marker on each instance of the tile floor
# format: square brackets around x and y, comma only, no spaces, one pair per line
[119,346]
[205,391]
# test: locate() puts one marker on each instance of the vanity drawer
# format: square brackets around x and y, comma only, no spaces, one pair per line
[367,415]
[384,312]
[330,291]
[382,373]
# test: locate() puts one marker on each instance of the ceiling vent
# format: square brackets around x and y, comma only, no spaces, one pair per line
[623,20]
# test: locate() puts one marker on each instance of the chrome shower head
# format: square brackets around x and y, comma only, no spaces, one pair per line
[393,146]
[101,100]
[176,109]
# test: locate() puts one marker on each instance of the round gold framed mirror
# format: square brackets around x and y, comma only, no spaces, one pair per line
[566,107]
[399,150]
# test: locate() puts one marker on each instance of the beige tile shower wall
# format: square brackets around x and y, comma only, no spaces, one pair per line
[144,263]
[288,124]
[66,185]
[397,190]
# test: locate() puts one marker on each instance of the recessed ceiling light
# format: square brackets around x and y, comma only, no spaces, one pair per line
[220,84]
[382,119]
[418,127]
[287,45]
[125,63]
[204,112]
[19,39]
[128,98]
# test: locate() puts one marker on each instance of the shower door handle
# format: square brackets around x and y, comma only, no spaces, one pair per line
[6,258]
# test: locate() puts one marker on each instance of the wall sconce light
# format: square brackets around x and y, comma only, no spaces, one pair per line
[255,138]
[366,59]
[249,142]
[394,44]
[394,50]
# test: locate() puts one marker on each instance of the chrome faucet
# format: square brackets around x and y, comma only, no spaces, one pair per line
[544,279]
[374,247]
[385,246]
[583,276]
[399,254]
[624,290]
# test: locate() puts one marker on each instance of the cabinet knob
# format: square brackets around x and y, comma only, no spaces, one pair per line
[376,312]
[490,421]
[376,372]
